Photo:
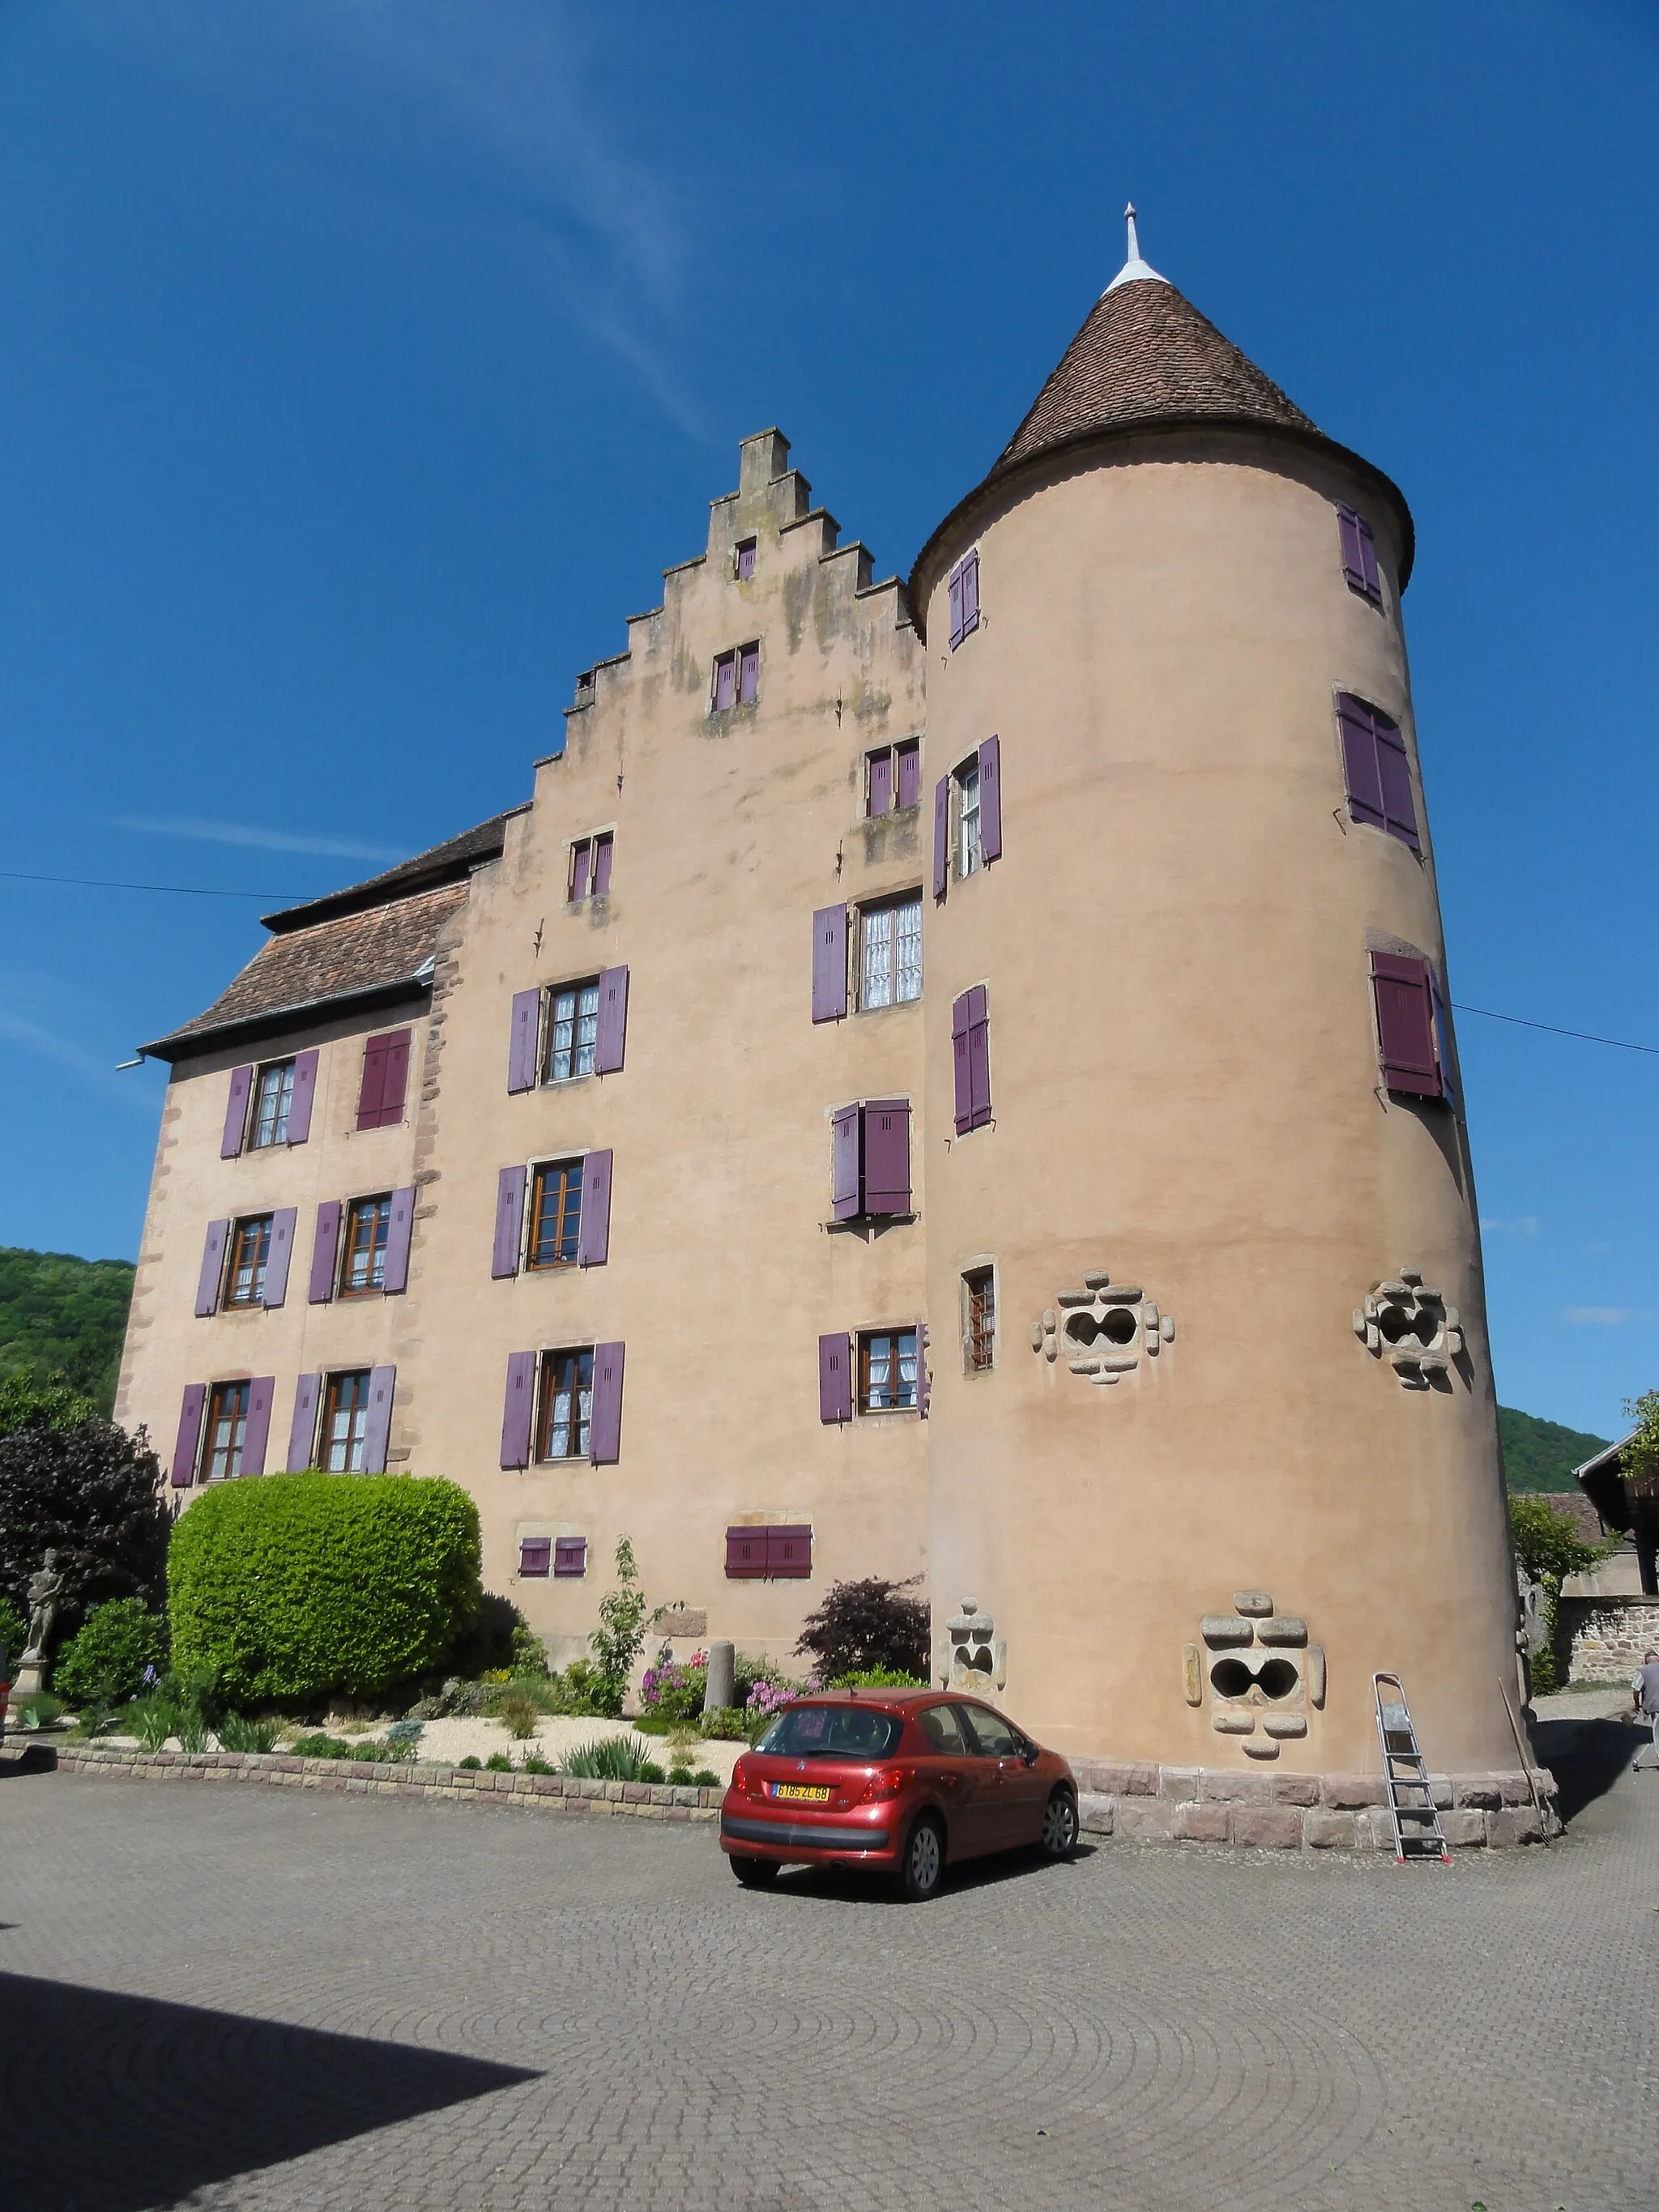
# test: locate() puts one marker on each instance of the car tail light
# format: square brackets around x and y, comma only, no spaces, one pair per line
[748,1783]
[886,1782]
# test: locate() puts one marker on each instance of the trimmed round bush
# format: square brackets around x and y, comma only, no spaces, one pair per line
[293,1585]
[104,1661]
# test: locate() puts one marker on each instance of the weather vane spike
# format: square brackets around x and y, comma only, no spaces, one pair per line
[1133,253]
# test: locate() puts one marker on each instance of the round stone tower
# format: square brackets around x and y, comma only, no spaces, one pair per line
[1201,1138]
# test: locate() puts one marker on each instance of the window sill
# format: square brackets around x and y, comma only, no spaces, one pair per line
[894,1007]
[565,1082]
[552,1267]
[356,1297]
[888,1414]
[867,1225]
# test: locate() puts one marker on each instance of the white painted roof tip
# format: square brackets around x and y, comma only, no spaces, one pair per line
[1134,270]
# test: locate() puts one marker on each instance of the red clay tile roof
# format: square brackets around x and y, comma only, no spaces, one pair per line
[1145,354]
[349,956]
[450,862]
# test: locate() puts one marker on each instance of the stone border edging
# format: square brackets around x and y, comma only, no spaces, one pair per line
[1138,1804]
[1297,1812]
[556,1793]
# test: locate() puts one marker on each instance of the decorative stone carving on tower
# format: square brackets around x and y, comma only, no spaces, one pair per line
[1103,1332]
[973,1656]
[1411,1326]
[1260,1671]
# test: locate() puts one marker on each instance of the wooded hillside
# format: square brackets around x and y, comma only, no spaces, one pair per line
[59,1315]
[1542,1455]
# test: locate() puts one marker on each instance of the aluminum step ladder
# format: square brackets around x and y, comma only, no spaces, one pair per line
[1417,1833]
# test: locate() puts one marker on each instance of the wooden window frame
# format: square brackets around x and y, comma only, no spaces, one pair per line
[979,1320]
[961,866]
[895,1335]
[580,1433]
[217,1393]
[261,1226]
[551,996]
[745,548]
[568,1174]
[893,905]
[585,866]
[279,1068]
[356,1209]
[357,1414]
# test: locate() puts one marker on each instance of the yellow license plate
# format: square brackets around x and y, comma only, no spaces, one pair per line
[806,1792]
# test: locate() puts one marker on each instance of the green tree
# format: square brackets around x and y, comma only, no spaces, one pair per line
[92,1494]
[1549,1546]
[64,1316]
[1640,1456]
[620,1637]
[28,1402]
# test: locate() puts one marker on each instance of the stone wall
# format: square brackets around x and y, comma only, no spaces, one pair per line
[1603,1639]
[1312,1812]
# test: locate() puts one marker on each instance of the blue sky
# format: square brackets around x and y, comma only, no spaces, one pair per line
[362,366]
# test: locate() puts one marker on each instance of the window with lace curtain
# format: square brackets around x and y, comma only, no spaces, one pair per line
[889,968]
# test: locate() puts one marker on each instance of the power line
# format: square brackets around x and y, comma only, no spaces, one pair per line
[1582,1036]
[178,890]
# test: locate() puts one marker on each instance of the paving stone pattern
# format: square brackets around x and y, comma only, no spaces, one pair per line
[283,1999]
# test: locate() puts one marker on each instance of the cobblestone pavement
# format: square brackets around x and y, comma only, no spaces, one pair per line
[232,1999]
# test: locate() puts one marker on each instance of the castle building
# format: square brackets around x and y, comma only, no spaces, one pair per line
[949,1079]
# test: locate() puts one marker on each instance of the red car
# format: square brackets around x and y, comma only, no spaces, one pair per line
[906,1782]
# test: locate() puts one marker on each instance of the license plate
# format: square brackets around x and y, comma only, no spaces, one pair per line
[803,1792]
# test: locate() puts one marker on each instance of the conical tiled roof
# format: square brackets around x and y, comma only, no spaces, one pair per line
[1145,354]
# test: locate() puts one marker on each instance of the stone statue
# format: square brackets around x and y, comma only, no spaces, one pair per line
[46,1587]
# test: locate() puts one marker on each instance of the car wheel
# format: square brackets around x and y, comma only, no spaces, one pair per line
[924,1861]
[1060,1826]
[757,1873]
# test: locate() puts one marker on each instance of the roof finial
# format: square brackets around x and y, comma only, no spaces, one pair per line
[1134,270]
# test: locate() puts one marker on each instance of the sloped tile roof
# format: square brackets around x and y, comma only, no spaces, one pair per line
[1145,354]
[449,862]
[302,970]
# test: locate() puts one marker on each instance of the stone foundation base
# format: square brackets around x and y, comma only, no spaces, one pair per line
[1304,1812]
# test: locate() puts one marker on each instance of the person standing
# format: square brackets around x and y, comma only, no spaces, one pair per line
[1644,1696]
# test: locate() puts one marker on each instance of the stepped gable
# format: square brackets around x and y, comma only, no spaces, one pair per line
[1146,355]
[376,939]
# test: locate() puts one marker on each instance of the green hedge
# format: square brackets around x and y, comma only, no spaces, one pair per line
[295,1584]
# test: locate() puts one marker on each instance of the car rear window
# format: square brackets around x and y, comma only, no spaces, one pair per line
[832,1732]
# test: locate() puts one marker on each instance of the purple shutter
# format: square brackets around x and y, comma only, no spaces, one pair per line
[1359,762]
[535,1555]
[844,1164]
[302,1432]
[605,1426]
[829,963]
[909,775]
[377,1430]
[749,676]
[881,782]
[1353,563]
[1395,777]
[612,1027]
[570,1555]
[979,1059]
[582,861]
[394,1077]
[604,852]
[990,801]
[324,1251]
[398,1232]
[305,1091]
[189,1435]
[1404,1025]
[230,1143]
[282,1253]
[789,1552]
[970,593]
[746,1553]
[516,1411]
[372,1089]
[835,1378]
[887,1156]
[509,1222]
[257,1432]
[213,1265]
[954,588]
[593,1230]
[524,1037]
[941,834]
[964,1095]
[746,561]
[726,681]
